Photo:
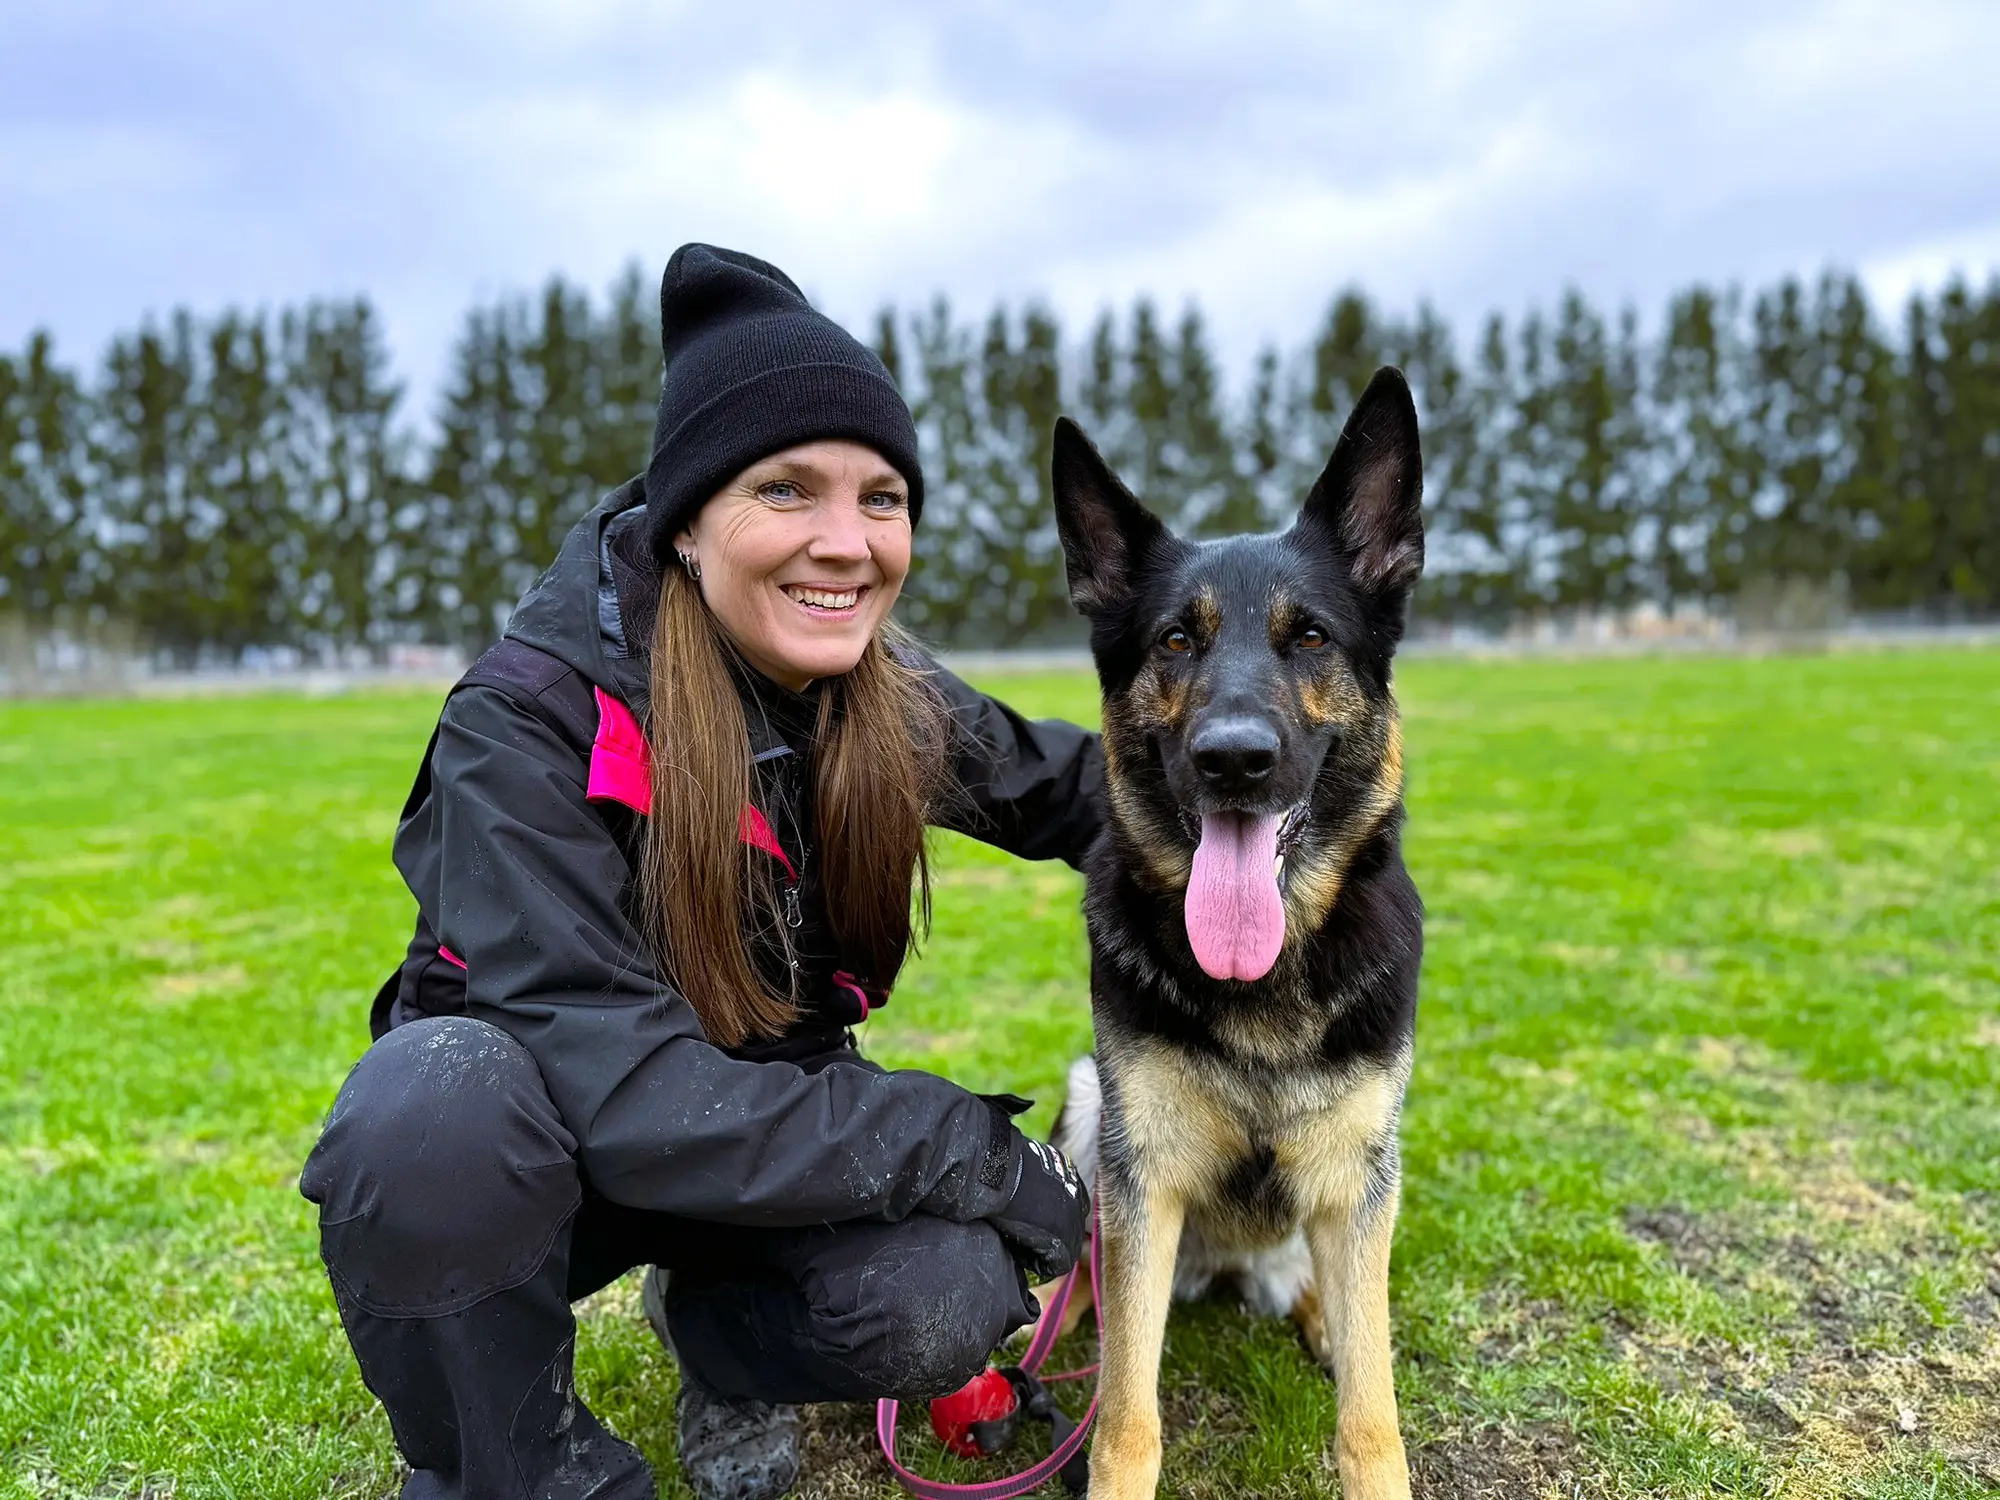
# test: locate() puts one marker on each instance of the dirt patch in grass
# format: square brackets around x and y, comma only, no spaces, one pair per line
[1876,1334]
[1201,1415]
[1791,843]
[1827,1415]
[841,1461]
[189,983]
[1827,1392]
[1862,1336]
[1534,1461]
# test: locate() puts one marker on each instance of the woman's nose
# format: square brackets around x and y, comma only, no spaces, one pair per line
[840,536]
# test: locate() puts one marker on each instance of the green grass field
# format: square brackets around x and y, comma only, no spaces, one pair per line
[1702,1151]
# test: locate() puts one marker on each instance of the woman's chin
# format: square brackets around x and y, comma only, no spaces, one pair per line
[816,659]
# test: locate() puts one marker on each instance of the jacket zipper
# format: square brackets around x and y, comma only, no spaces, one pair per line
[755,828]
[794,874]
[793,915]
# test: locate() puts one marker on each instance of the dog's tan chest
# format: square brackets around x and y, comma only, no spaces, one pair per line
[1191,1125]
[1177,1133]
[1326,1155]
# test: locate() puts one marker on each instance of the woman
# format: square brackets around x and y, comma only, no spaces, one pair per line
[621,1036]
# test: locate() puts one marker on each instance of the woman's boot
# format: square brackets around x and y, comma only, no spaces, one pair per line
[730,1449]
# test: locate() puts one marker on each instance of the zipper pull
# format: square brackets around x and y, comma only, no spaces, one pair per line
[793,916]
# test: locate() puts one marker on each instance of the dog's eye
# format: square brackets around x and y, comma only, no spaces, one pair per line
[1312,638]
[1177,640]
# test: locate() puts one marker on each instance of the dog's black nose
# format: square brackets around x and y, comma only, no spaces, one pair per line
[1235,754]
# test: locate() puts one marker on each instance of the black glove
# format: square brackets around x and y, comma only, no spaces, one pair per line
[1046,1216]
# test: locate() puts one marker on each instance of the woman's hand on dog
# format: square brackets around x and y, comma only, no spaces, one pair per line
[1047,1217]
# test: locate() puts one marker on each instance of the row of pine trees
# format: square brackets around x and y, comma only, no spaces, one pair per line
[257,479]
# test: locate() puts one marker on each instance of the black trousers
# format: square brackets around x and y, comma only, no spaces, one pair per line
[457,1229]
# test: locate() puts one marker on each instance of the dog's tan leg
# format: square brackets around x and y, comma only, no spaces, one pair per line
[1139,1240]
[1350,1248]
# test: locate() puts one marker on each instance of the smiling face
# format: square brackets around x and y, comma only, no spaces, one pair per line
[802,555]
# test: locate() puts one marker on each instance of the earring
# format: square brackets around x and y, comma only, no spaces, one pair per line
[693,567]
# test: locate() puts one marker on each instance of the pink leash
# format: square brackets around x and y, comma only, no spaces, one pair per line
[1047,1328]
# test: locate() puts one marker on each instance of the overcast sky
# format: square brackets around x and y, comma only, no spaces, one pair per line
[429,152]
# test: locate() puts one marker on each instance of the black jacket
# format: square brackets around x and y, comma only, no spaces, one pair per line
[526,888]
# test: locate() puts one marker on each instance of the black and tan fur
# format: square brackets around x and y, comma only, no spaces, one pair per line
[1249,1127]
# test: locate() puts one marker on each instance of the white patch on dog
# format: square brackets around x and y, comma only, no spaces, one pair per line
[1081,1117]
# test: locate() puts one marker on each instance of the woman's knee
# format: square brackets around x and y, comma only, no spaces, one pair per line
[925,1315]
[443,1173]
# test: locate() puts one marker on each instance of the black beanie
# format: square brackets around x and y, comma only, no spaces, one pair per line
[752,369]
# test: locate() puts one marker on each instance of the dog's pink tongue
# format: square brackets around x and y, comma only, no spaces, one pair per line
[1235,917]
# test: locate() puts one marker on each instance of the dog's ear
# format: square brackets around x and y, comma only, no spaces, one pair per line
[1369,502]
[1104,528]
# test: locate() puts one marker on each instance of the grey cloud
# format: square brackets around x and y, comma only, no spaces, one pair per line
[1256,156]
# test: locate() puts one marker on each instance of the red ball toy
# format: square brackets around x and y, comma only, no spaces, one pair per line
[987,1397]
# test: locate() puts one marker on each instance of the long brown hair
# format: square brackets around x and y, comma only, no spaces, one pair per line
[880,767]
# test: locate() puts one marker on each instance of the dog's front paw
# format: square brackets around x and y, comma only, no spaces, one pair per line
[1125,1461]
[1373,1467]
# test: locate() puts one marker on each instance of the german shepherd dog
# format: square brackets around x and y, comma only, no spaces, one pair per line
[1254,935]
